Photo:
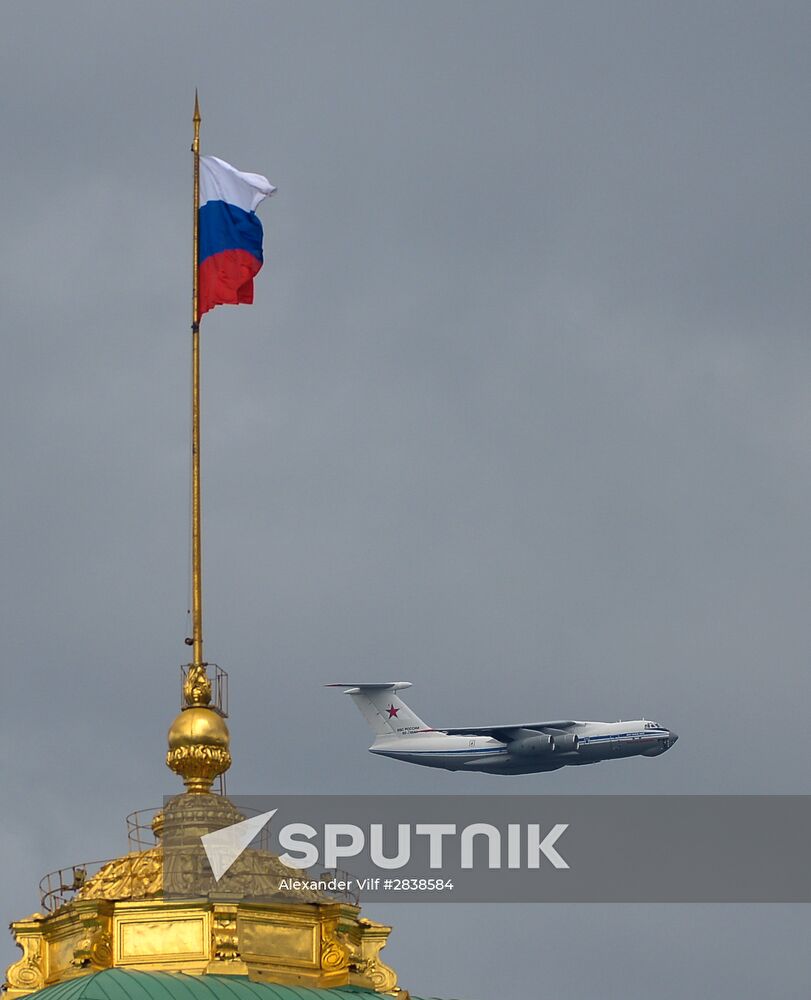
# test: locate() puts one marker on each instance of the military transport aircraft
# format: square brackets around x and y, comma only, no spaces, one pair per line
[520,748]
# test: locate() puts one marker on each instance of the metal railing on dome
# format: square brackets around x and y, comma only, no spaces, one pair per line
[59,887]
[140,831]
[141,824]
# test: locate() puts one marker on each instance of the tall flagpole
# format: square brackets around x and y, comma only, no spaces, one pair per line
[197,567]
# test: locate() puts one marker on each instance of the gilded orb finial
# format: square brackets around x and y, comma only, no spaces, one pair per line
[198,747]
[198,738]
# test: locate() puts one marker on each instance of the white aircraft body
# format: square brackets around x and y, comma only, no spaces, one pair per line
[520,748]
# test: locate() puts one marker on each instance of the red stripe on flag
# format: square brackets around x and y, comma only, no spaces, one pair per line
[226,279]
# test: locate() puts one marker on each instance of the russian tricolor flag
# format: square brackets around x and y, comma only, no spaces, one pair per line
[230,233]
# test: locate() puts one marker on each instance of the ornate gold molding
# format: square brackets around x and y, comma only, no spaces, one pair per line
[161,909]
[366,967]
[317,943]
[198,765]
[135,876]
[95,949]
[334,951]
[226,957]
[28,973]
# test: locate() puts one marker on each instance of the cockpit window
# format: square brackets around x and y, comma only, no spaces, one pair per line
[652,725]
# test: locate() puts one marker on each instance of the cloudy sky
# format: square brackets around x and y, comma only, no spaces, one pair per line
[521,414]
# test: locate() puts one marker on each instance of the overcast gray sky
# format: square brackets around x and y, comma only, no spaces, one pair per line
[521,414]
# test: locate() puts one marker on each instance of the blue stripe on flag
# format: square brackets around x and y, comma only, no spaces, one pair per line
[227,227]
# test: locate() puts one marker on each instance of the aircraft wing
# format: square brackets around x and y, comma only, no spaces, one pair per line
[508,732]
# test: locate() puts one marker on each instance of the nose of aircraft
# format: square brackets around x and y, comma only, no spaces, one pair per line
[672,737]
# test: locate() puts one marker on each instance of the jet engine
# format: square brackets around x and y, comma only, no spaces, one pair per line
[538,745]
[565,743]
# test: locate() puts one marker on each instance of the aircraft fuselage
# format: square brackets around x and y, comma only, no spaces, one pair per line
[528,751]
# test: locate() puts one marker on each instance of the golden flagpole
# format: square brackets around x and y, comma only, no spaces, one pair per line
[198,738]
[197,567]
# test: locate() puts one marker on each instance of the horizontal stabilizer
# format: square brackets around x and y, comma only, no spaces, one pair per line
[377,686]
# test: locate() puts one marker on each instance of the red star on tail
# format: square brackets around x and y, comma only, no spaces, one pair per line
[392,711]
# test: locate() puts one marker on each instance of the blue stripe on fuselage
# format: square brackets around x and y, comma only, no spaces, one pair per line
[442,753]
[653,734]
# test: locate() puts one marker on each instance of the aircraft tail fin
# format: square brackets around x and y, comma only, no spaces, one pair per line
[383,709]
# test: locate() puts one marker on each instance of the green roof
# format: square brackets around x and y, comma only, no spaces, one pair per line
[127,984]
